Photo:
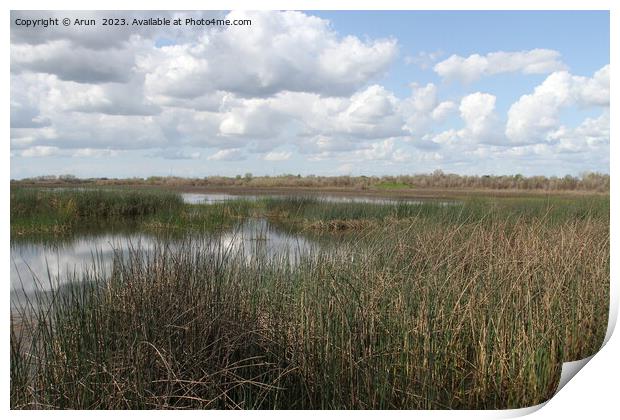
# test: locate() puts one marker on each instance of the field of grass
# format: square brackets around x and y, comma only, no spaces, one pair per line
[422,306]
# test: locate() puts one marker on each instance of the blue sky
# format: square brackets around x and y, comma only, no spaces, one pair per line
[329,93]
[581,36]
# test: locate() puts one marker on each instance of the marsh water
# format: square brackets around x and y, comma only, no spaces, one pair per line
[40,265]
[211,198]
[45,263]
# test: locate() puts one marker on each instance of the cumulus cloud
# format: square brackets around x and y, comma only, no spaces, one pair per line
[592,133]
[345,168]
[98,131]
[40,151]
[534,115]
[289,85]
[313,122]
[253,117]
[371,113]
[176,154]
[41,100]
[96,153]
[24,115]
[228,154]
[443,110]
[481,123]
[377,151]
[422,110]
[131,91]
[424,59]
[478,112]
[277,156]
[472,68]
[288,51]
[69,62]
[385,150]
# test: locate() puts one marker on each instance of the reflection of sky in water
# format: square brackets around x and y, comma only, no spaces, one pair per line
[256,237]
[210,198]
[41,266]
[197,198]
[31,262]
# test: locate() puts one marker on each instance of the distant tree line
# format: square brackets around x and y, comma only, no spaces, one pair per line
[590,181]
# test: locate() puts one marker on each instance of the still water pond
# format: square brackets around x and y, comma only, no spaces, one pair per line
[42,265]
[46,265]
[211,198]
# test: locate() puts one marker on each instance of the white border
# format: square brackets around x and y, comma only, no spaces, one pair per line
[592,393]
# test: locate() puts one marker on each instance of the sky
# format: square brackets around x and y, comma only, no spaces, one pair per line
[323,93]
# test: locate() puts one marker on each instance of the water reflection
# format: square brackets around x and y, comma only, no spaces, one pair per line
[199,198]
[211,198]
[43,266]
[47,264]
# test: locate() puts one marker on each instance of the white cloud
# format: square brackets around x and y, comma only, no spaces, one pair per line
[345,168]
[96,153]
[277,156]
[592,133]
[371,113]
[534,115]
[177,154]
[472,68]
[443,110]
[314,122]
[256,118]
[424,59]
[401,155]
[481,124]
[422,110]
[288,51]
[290,84]
[447,137]
[376,151]
[52,95]
[385,150]
[71,62]
[40,151]
[97,131]
[228,154]
[478,112]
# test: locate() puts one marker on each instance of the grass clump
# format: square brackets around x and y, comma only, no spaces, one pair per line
[311,212]
[44,211]
[40,212]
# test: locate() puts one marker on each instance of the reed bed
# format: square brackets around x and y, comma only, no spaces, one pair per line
[312,212]
[444,308]
[41,212]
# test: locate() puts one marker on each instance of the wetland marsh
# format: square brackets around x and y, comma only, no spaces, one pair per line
[152,299]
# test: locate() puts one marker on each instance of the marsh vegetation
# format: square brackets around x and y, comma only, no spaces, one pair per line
[405,305]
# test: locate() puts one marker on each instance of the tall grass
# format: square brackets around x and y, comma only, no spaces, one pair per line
[37,210]
[69,211]
[415,313]
[551,209]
